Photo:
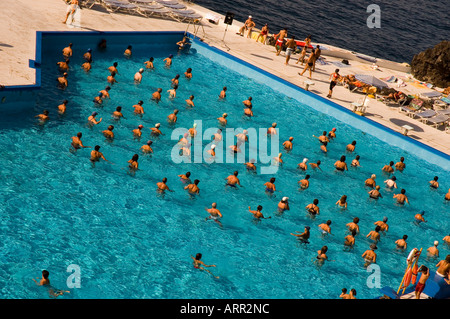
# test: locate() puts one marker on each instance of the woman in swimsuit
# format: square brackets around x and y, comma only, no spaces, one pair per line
[198,264]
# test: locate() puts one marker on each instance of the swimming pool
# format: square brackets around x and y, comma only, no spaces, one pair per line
[131,242]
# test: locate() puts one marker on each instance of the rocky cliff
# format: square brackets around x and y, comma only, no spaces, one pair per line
[433,65]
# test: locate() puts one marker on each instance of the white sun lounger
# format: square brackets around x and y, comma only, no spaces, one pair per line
[154,10]
[180,17]
[119,6]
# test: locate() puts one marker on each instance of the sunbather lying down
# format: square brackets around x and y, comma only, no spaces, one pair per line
[397,96]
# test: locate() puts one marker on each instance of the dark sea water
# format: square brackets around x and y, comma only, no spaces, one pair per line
[407,26]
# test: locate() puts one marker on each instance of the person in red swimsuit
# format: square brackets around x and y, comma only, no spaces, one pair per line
[421,284]
[264,32]
[280,39]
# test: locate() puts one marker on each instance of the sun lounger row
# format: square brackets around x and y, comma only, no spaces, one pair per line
[435,118]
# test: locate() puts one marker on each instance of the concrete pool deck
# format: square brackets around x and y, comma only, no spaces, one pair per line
[20,19]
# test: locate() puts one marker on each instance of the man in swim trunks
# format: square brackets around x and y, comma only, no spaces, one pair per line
[108,133]
[67,51]
[71,9]
[86,66]
[128,52]
[353,226]
[370,257]
[304,183]
[446,239]
[111,78]
[332,133]
[317,53]
[147,147]
[355,162]
[418,218]
[113,69]
[162,186]
[270,186]
[184,178]
[401,198]
[272,130]
[288,144]
[62,81]
[92,121]
[96,155]
[423,278]
[223,94]
[251,165]
[370,182]
[168,60]
[172,118]
[98,99]
[283,205]
[315,165]
[375,234]
[214,213]
[313,209]
[350,239]
[384,227]
[400,166]
[242,137]
[149,63]
[341,165]
[388,168]
[280,39]
[157,95]
[188,73]
[278,160]
[291,45]
[375,193]
[138,109]
[434,183]
[390,183]
[117,114]
[105,92]
[325,228]
[303,237]
[193,188]
[88,55]
[334,77]
[62,107]
[248,25]
[264,32]
[444,269]
[323,147]
[257,213]
[192,130]
[232,180]
[351,147]
[323,138]
[401,243]
[198,264]
[155,130]
[173,92]
[76,142]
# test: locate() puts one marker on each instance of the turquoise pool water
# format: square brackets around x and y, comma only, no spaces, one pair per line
[131,242]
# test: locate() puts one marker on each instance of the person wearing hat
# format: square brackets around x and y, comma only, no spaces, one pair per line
[138,76]
[419,218]
[138,109]
[137,132]
[384,227]
[190,101]
[249,24]
[62,81]
[172,118]
[370,182]
[88,55]
[156,131]
[168,60]
[146,148]
[332,133]
[303,165]
[127,52]
[212,152]
[62,107]
[91,119]
[283,204]
[288,144]
[370,257]
[193,131]
[303,237]
[433,251]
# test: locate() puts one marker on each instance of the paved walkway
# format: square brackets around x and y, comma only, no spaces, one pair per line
[20,19]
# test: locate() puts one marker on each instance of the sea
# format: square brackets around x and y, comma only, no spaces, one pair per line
[406,27]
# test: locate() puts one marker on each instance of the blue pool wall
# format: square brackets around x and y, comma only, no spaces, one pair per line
[15,98]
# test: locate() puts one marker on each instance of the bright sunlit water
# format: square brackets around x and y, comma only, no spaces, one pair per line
[131,242]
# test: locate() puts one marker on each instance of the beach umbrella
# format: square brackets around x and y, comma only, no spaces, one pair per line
[371,80]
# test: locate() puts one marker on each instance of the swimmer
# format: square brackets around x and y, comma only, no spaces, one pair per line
[447,196]
[446,239]
[155,130]
[323,147]
[384,227]
[146,148]
[375,193]
[182,43]
[272,130]
[192,130]
[434,183]
[400,166]
[188,73]
[342,202]
[98,98]
[248,102]
[64,65]
[401,243]
[401,198]
[242,137]
[370,257]
[162,186]
[76,142]
[233,180]
[190,101]
[303,237]
[111,78]
[278,160]
[184,140]
[44,281]
[133,163]
[283,204]
[88,55]
[96,155]
[313,209]
[62,107]
[433,251]
[92,121]
[138,109]
[137,132]
[67,51]
[172,118]
[325,228]
[270,186]
[212,152]
[105,92]
[223,119]
[351,147]
[175,81]
[248,111]
[223,94]
[62,81]
[128,52]
[117,114]
[172,92]
[374,234]
[444,268]
[304,182]
[108,133]
[332,133]
[303,165]
[341,165]
[288,144]
[355,162]
[350,239]
[157,95]
[344,294]
[370,182]
[390,183]
[251,165]
[149,63]
[423,278]
[193,188]
[214,213]
[168,60]
[418,218]
[353,226]
[257,213]
[388,168]
[198,264]
[184,178]
[138,76]
[217,137]
[323,138]
[113,69]
[235,148]
[86,66]
[321,255]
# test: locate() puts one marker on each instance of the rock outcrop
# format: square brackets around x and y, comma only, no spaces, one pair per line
[433,65]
